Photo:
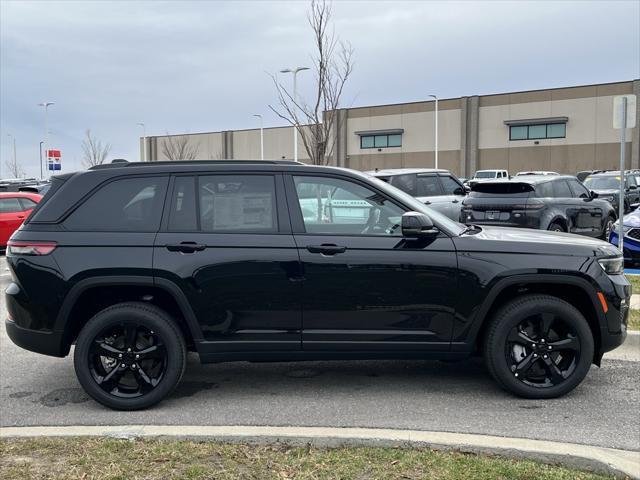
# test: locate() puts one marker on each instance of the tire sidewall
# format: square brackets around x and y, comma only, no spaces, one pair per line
[144,315]
[510,317]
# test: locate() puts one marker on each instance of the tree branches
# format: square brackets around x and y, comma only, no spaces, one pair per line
[93,151]
[332,65]
[177,147]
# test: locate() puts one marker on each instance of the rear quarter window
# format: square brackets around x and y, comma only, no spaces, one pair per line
[126,204]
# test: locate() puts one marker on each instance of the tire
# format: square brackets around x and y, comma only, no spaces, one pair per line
[150,346]
[608,227]
[556,227]
[538,378]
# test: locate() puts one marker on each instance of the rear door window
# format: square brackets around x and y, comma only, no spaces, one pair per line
[10,205]
[406,183]
[27,203]
[127,204]
[237,203]
[428,186]
[561,189]
[545,190]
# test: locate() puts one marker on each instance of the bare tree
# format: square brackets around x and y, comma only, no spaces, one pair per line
[332,64]
[16,170]
[93,151]
[178,147]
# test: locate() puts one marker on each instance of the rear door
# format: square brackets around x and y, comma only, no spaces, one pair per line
[226,243]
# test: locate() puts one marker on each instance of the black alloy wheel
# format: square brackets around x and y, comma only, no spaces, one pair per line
[538,346]
[542,350]
[130,356]
[128,360]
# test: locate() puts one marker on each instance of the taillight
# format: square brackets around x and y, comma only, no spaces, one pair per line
[16,247]
[535,205]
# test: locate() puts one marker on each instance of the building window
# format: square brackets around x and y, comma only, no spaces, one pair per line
[536,132]
[380,141]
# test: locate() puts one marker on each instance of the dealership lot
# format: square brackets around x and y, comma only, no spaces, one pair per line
[39,390]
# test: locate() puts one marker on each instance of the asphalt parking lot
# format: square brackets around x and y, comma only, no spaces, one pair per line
[421,395]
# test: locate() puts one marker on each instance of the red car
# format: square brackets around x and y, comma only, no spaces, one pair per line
[14,208]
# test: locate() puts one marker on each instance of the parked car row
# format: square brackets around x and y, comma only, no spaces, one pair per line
[15,207]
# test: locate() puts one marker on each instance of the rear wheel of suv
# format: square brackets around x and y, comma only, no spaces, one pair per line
[556,227]
[538,346]
[130,356]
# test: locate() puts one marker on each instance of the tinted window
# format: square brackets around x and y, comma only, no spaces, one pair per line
[545,190]
[10,205]
[428,186]
[27,203]
[579,190]
[237,203]
[406,183]
[450,185]
[631,180]
[132,204]
[345,208]
[561,189]
[183,214]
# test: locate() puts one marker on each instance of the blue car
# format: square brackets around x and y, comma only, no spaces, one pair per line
[631,229]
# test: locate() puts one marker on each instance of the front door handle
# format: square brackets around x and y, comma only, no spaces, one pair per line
[455,201]
[427,202]
[326,249]
[186,247]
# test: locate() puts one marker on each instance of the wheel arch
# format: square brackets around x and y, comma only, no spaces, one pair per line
[90,295]
[576,291]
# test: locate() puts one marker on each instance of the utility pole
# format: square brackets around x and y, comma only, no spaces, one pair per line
[436,132]
[295,71]
[46,106]
[261,136]
[41,170]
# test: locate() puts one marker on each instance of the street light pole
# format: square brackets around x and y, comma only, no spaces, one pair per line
[261,136]
[436,132]
[144,141]
[41,171]
[295,71]
[46,106]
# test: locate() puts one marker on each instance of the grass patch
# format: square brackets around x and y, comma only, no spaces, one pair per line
[634,280]
[634,320]
[102,458]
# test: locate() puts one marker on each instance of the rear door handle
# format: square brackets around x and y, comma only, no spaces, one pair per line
[186,247]
[326,249]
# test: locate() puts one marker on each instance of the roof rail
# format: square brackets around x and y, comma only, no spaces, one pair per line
[121,163]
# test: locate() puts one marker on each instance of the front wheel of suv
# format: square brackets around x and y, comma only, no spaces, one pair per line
[538,346]
[130,356]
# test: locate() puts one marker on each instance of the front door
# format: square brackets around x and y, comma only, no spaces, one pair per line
[365,287]
[587,215]
[226,242]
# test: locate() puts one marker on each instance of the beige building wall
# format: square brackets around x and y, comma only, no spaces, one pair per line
[472,134]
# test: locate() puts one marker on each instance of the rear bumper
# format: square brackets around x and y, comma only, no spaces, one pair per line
[47,343]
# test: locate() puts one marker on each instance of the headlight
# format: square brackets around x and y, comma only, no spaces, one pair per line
[612,266]
[625,228]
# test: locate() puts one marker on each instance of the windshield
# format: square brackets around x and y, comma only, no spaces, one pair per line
[486,174]
[602,183]
[417,206]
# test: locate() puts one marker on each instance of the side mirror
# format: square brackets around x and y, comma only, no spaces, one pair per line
[417,225]
[593,194]
[460,191]
[633,187]
[467,188]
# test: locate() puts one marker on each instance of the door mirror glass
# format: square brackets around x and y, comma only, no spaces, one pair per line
[460,191]
[417,225]
[593,194]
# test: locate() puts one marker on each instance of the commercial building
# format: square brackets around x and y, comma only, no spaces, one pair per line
[562,129]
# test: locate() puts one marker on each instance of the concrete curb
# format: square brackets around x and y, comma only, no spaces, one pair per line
[603,460]
[633,339]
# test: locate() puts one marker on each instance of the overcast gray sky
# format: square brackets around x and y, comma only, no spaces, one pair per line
[182,66]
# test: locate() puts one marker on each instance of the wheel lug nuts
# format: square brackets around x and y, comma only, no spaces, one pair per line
[133,367]
[515,374]
[549,347]
[545,356]
[123,365]
[535,354]
[128,349]
[138,356]
[542,340]
[119,355]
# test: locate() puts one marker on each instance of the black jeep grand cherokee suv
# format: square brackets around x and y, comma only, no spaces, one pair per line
[138,263]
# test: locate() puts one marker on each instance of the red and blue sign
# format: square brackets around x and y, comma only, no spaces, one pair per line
[54,159]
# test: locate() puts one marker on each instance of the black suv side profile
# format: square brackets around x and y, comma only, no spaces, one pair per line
[556,203]
[251,261]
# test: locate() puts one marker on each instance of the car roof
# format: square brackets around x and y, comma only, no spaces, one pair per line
[532,179]
[404,171]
